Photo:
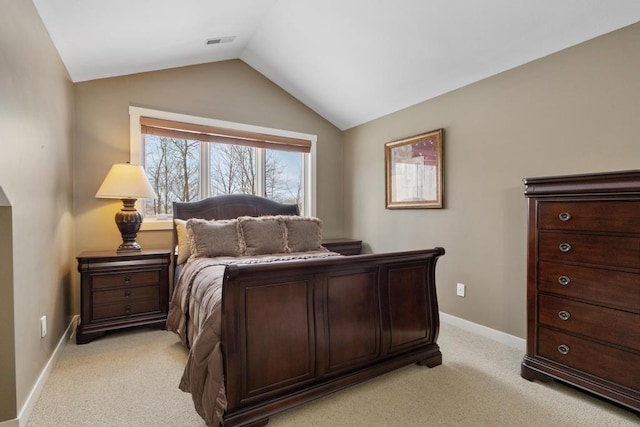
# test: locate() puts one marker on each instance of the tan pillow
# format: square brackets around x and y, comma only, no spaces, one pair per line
[304,233]
[214,238]
[263,235]
[184,245]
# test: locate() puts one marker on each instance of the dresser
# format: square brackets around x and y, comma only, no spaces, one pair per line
[119,290]
[583,283]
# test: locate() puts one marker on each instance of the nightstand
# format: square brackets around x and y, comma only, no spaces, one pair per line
[119,290]
[343,246]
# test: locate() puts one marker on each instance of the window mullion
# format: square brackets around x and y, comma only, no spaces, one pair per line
[260,172]
[205,177]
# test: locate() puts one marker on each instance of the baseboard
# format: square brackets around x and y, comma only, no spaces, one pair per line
[10,423]
[27,408]
[501,337]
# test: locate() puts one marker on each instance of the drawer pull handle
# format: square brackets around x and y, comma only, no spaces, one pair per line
[564,216]
[127,279]
[564,247]
[564,280]
[127,309]
[563,349]
[127,294]
[564,315]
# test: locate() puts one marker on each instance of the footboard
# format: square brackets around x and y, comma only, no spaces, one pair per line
[295,331]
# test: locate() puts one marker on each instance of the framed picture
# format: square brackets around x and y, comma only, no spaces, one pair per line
[413,171]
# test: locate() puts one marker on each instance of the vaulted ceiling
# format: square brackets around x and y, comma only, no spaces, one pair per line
[351,61]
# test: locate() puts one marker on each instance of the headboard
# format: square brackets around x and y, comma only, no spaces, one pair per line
[228,207]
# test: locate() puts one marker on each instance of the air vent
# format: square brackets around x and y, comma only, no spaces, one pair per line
[220,40]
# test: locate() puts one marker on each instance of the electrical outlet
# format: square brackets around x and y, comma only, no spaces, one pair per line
[460,289]
[43,326]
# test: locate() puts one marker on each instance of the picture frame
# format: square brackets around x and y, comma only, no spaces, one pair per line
[414,171]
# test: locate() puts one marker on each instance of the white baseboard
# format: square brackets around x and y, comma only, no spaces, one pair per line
[501,337]
[27,408]
[10,423]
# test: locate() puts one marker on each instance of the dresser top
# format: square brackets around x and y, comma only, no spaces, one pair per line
[609,183]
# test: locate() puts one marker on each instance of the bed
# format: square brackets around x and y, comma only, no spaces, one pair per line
[269,330]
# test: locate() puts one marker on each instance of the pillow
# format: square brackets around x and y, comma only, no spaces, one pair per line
[184,245]
[263,235]
[304,233]
[214,238]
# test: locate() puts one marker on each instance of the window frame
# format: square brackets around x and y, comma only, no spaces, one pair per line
[136,153]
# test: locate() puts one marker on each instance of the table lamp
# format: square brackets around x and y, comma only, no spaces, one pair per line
[127,182]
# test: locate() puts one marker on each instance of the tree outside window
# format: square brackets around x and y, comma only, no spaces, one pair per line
[176,171]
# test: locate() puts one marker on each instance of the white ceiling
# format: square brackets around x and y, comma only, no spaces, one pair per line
[351,61]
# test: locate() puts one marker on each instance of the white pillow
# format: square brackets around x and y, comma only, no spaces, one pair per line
[184,245]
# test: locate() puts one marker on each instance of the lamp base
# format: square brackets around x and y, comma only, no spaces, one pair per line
[128,220]
[129,247]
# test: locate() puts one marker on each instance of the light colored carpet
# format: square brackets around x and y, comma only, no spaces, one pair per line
[130,378]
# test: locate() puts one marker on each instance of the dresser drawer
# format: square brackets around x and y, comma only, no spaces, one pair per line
[614,251]
[613,216]
[105,311]
[607,287]
[611,364]
[601,323]
[125,295]
[116,280]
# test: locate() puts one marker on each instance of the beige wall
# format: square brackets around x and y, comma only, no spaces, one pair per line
[230,91]
[36,132]
[572,112]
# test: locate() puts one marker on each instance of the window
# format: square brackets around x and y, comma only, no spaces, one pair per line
[189,158]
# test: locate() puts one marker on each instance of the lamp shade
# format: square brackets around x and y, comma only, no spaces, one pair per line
[126,181]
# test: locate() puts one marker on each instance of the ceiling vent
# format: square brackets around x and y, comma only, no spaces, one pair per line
[220,40]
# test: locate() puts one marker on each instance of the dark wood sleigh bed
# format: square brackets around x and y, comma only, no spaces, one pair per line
[293,331]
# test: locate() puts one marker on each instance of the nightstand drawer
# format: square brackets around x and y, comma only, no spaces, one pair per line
[613,216]
[125,295]
[105,281]
[108,311]
[604,324]
[590,249]
[612,364]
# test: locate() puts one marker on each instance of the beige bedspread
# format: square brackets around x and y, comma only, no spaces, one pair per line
[195,315]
